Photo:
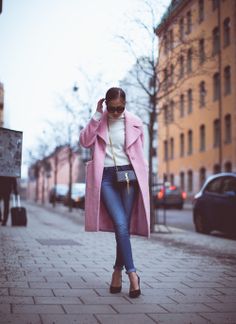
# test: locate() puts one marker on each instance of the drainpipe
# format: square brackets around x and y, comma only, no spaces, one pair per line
[220,94]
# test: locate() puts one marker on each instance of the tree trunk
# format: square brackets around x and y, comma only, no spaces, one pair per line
[55,177]
[70,179]
[43,189]
[152,211]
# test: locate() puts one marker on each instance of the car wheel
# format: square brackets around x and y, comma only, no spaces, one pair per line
[180,206]
[201,225]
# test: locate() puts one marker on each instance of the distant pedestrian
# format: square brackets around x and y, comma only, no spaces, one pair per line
[7,186]
[117,204]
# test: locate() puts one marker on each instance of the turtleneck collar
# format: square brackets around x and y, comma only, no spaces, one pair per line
[122,116]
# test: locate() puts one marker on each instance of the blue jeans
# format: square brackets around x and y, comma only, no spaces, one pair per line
[119,203]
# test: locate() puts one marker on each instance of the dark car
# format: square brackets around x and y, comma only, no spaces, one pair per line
[168,196]
[58,193]
[77,195]
[214,206]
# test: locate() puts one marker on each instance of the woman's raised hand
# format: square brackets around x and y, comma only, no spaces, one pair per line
[99,105]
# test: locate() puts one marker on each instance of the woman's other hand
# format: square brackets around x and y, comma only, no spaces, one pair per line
[100,105]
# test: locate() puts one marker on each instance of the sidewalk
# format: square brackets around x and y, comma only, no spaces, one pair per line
[54,272]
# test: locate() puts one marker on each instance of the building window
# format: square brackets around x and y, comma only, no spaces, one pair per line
[181,29]
[165,44]
[228,167]
[182,181]
[202,138]
[189,60]
[171,113]
[216,127]
[166,114]
[190,101]
[202,177]
[190,142]
[171,39]
[215,41]
[202,94]
[172,179]
[216,168]
[228,129]
[165,150]
[165,79]
[181,144]
[227,80]
[171,79]
[202,56]
[216,86]
[181,107]
[215,4]
[181,66]
[171,148]
[226,32]
[190,181]
[201,10]
[165,178]
[189,22]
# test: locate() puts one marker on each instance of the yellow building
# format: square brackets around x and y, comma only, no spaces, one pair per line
[197,106]
[1,104]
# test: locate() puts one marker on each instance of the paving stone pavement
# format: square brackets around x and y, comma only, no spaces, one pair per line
[54,272]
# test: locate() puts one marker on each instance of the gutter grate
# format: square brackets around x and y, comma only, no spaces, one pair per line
[57,242]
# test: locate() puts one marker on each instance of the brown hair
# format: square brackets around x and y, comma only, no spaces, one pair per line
[114,93]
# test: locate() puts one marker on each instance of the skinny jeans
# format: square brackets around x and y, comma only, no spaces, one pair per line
[119,201]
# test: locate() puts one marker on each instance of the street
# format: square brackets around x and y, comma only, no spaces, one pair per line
[54,272]
[182,219]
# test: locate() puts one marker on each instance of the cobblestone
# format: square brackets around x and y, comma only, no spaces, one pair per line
[67,280]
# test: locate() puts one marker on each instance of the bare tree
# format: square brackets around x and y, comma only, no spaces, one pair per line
[39,164]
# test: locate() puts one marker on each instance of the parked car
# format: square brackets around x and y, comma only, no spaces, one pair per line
[58,193]
[168,196]
[77,195]
[214,206]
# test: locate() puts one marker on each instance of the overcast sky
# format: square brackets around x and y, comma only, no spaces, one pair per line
[44,43]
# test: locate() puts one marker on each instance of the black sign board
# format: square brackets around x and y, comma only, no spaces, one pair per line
[10,152]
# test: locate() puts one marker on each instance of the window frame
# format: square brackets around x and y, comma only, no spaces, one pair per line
[227,31]
[216,86]
[227,80]
[201,11]
[202,133]
[215,41]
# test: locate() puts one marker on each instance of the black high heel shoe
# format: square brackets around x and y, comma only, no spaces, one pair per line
[135,293]
[115,290]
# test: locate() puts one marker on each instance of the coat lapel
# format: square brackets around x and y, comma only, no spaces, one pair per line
[132,129]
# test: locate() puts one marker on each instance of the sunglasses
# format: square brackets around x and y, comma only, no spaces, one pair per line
[118,109]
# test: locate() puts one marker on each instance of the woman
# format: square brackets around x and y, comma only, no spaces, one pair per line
[116,138]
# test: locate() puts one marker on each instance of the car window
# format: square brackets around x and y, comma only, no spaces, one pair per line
[229,185]
[214,186]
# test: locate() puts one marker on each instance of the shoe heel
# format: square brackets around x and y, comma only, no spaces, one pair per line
[135,293]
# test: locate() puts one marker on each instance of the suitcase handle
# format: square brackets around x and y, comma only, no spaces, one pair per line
[16,198]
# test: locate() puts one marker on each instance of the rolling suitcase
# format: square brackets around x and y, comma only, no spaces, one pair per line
[18,213]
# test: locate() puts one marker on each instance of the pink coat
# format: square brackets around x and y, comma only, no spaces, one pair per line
[95,136]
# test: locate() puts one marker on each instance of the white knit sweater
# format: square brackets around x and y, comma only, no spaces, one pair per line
[117,134]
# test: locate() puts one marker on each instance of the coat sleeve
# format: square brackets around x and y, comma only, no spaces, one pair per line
[89,133]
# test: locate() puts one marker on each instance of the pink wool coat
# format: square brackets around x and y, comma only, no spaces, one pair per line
[95,136]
